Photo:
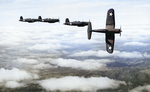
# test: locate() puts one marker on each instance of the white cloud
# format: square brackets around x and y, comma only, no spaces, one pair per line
[78,64]
[135,43]
[11,36]
[40,47]
[84,53]
[146,55]
[13,84]
[101,53]
[128,54]
[15,75]
[43,66]
[102,61]
[26,61]
[44,47]
[79,83]
[44,63]
[18,39]
[33,63]
[141,88]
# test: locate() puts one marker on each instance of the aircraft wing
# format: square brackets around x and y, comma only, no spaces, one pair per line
[110,40]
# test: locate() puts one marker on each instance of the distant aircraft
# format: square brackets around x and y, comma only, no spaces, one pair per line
[109,31]
[49,20]
[75,23]
[29,20]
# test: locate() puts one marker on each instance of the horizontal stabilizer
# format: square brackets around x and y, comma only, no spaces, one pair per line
[89,30]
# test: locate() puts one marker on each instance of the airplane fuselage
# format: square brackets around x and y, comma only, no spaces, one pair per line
[49,20]
[27,20]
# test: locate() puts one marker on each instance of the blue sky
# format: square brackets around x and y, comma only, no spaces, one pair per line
[85,9]
[24,46]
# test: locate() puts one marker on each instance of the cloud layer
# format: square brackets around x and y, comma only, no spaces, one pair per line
[141,88]
[135,44]
[11,78]
[79,83]
[28,47]
[90,64]
[15,74]
[101,53]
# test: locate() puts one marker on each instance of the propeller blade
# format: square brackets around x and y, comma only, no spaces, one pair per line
[120,30]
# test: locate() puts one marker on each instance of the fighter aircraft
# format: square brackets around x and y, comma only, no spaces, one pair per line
[49,20]
[29,20]
[75,23]
[109,31]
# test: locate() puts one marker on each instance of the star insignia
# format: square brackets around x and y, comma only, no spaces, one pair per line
[110,14]
[109,47]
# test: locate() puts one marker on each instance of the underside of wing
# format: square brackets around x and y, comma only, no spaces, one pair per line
[110,39]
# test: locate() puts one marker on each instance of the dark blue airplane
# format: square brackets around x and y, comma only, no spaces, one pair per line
[109,31]
[75,23]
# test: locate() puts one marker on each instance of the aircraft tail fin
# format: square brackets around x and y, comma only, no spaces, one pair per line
[67,20]
[21,18]
[89,30]
[39,17]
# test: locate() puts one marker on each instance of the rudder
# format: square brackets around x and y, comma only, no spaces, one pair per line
[39,17]
[21,18]
[67,20]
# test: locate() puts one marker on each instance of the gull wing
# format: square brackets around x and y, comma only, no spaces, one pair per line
[110,40]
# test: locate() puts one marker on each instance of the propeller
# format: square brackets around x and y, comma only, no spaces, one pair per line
[59,19]
[120,30]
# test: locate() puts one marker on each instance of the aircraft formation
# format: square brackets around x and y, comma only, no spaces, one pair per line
[30,20]
[109,31]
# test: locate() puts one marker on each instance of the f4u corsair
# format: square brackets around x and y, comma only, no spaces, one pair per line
[109,31]
[75,23]
[29,20]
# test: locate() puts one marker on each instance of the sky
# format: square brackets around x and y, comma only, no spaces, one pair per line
[25,48]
